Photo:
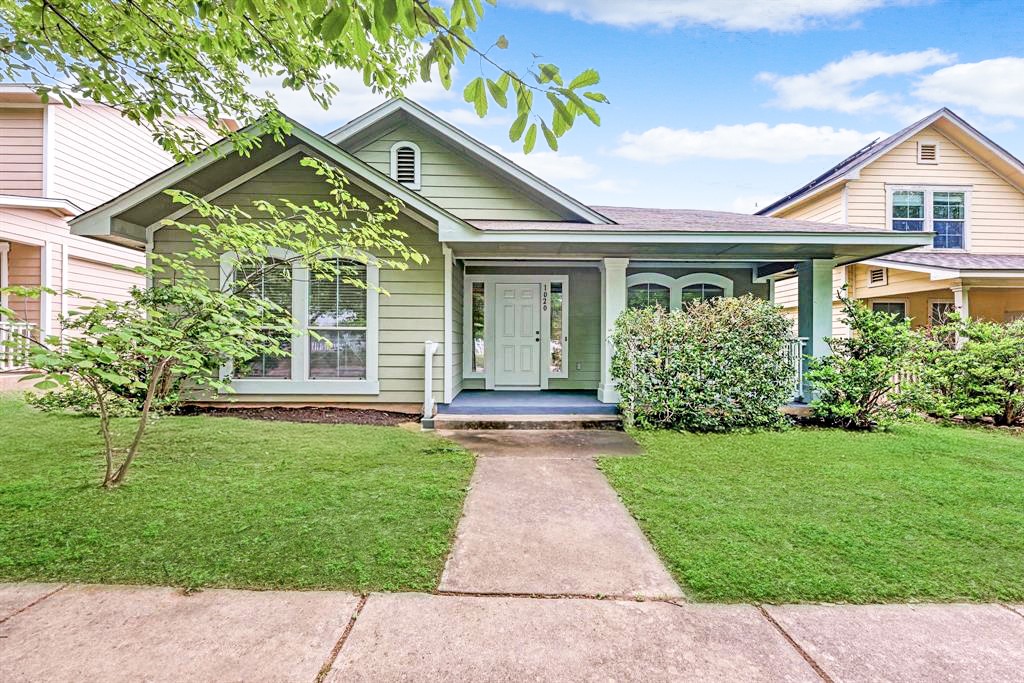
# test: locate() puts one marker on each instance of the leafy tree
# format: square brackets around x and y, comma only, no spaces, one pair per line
[157,61]
[855,385]
[176,335]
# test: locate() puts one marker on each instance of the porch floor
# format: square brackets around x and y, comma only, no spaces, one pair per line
[479,402]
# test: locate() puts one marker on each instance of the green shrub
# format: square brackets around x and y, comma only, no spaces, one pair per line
[982,379]
[76,396]
[714,366]
[855,387]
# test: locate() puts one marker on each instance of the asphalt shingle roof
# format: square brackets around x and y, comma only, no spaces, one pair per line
[630,219]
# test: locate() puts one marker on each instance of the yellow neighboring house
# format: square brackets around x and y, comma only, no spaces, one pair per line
[938,175]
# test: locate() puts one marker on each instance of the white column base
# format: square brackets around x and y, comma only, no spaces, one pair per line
[608,394]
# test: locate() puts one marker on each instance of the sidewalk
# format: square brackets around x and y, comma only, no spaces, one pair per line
[52,632]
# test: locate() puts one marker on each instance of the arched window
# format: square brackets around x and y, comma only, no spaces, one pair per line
[405,164]
[658,289]
[648,294]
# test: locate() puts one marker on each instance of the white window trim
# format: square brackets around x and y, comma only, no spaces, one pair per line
[677,285]
[489,281]
[932,302]
[300,383]
[929,190]
[938,151]
[394,162]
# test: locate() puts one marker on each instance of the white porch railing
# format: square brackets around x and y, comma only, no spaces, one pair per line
[15,343]
[429,349]
[794,352]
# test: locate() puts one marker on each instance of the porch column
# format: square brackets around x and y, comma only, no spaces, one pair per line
[814,301]
[613,303]
[962,303]
[46,282]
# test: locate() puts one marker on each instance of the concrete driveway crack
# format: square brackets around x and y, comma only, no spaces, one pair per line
[329,664]
[33,603]
[795,645]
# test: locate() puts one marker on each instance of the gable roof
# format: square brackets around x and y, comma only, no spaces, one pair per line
[356,133]
[1009,166]
[98,221]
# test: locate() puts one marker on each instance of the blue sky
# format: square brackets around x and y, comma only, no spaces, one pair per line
[727,104]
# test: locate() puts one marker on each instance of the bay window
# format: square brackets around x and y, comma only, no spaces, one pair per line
[336,352]
[938,209]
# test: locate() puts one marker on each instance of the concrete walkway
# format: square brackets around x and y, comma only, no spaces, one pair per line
[93,633]
[540,519]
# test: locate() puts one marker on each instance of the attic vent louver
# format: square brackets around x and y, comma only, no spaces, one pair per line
[877,277]
[405,164]
[927,153]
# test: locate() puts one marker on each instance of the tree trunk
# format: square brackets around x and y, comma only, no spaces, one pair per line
[133,449]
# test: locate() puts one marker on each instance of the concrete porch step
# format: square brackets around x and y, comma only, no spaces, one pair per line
[456,421]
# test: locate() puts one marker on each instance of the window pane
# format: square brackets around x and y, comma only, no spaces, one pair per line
[908,204]
[337,302]
[478,326]
[948,234]
[557,333]
[948,205]
[940,312]
[647,294]
[268,367]
[891,307]
[908,226]
[341,356]
[702,291]
[273,282]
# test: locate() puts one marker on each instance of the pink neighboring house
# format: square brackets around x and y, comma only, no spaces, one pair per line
[55,163]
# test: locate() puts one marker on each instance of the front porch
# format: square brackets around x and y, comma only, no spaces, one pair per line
[553,402]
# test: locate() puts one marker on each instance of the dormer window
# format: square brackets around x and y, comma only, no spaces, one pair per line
[405,164]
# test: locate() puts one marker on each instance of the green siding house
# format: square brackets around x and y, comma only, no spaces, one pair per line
[523,283]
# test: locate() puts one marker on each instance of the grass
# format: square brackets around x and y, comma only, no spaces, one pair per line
[214,501]
[924,512]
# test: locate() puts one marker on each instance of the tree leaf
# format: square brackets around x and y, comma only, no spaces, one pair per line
[497,94]
[501,43]
[596,97]
[335,21]
[518,126]
[587,78]
[549,136]
[531,138]
[476,93]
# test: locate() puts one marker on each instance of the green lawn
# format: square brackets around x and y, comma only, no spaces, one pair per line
[216,501]
[922,513]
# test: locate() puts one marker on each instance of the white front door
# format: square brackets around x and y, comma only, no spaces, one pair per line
[517,335]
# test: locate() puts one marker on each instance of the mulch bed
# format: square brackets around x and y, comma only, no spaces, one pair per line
[317,415]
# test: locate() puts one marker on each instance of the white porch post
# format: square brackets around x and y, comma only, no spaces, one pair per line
[814,301]
[613,303]
[46,299]
[961,301]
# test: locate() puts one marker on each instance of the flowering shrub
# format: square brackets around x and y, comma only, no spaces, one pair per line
[714,366]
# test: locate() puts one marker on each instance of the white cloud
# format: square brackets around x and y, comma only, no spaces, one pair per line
[353,98]
[553,167]
[734,15]
[992,86]
[759,141]
[832,86]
